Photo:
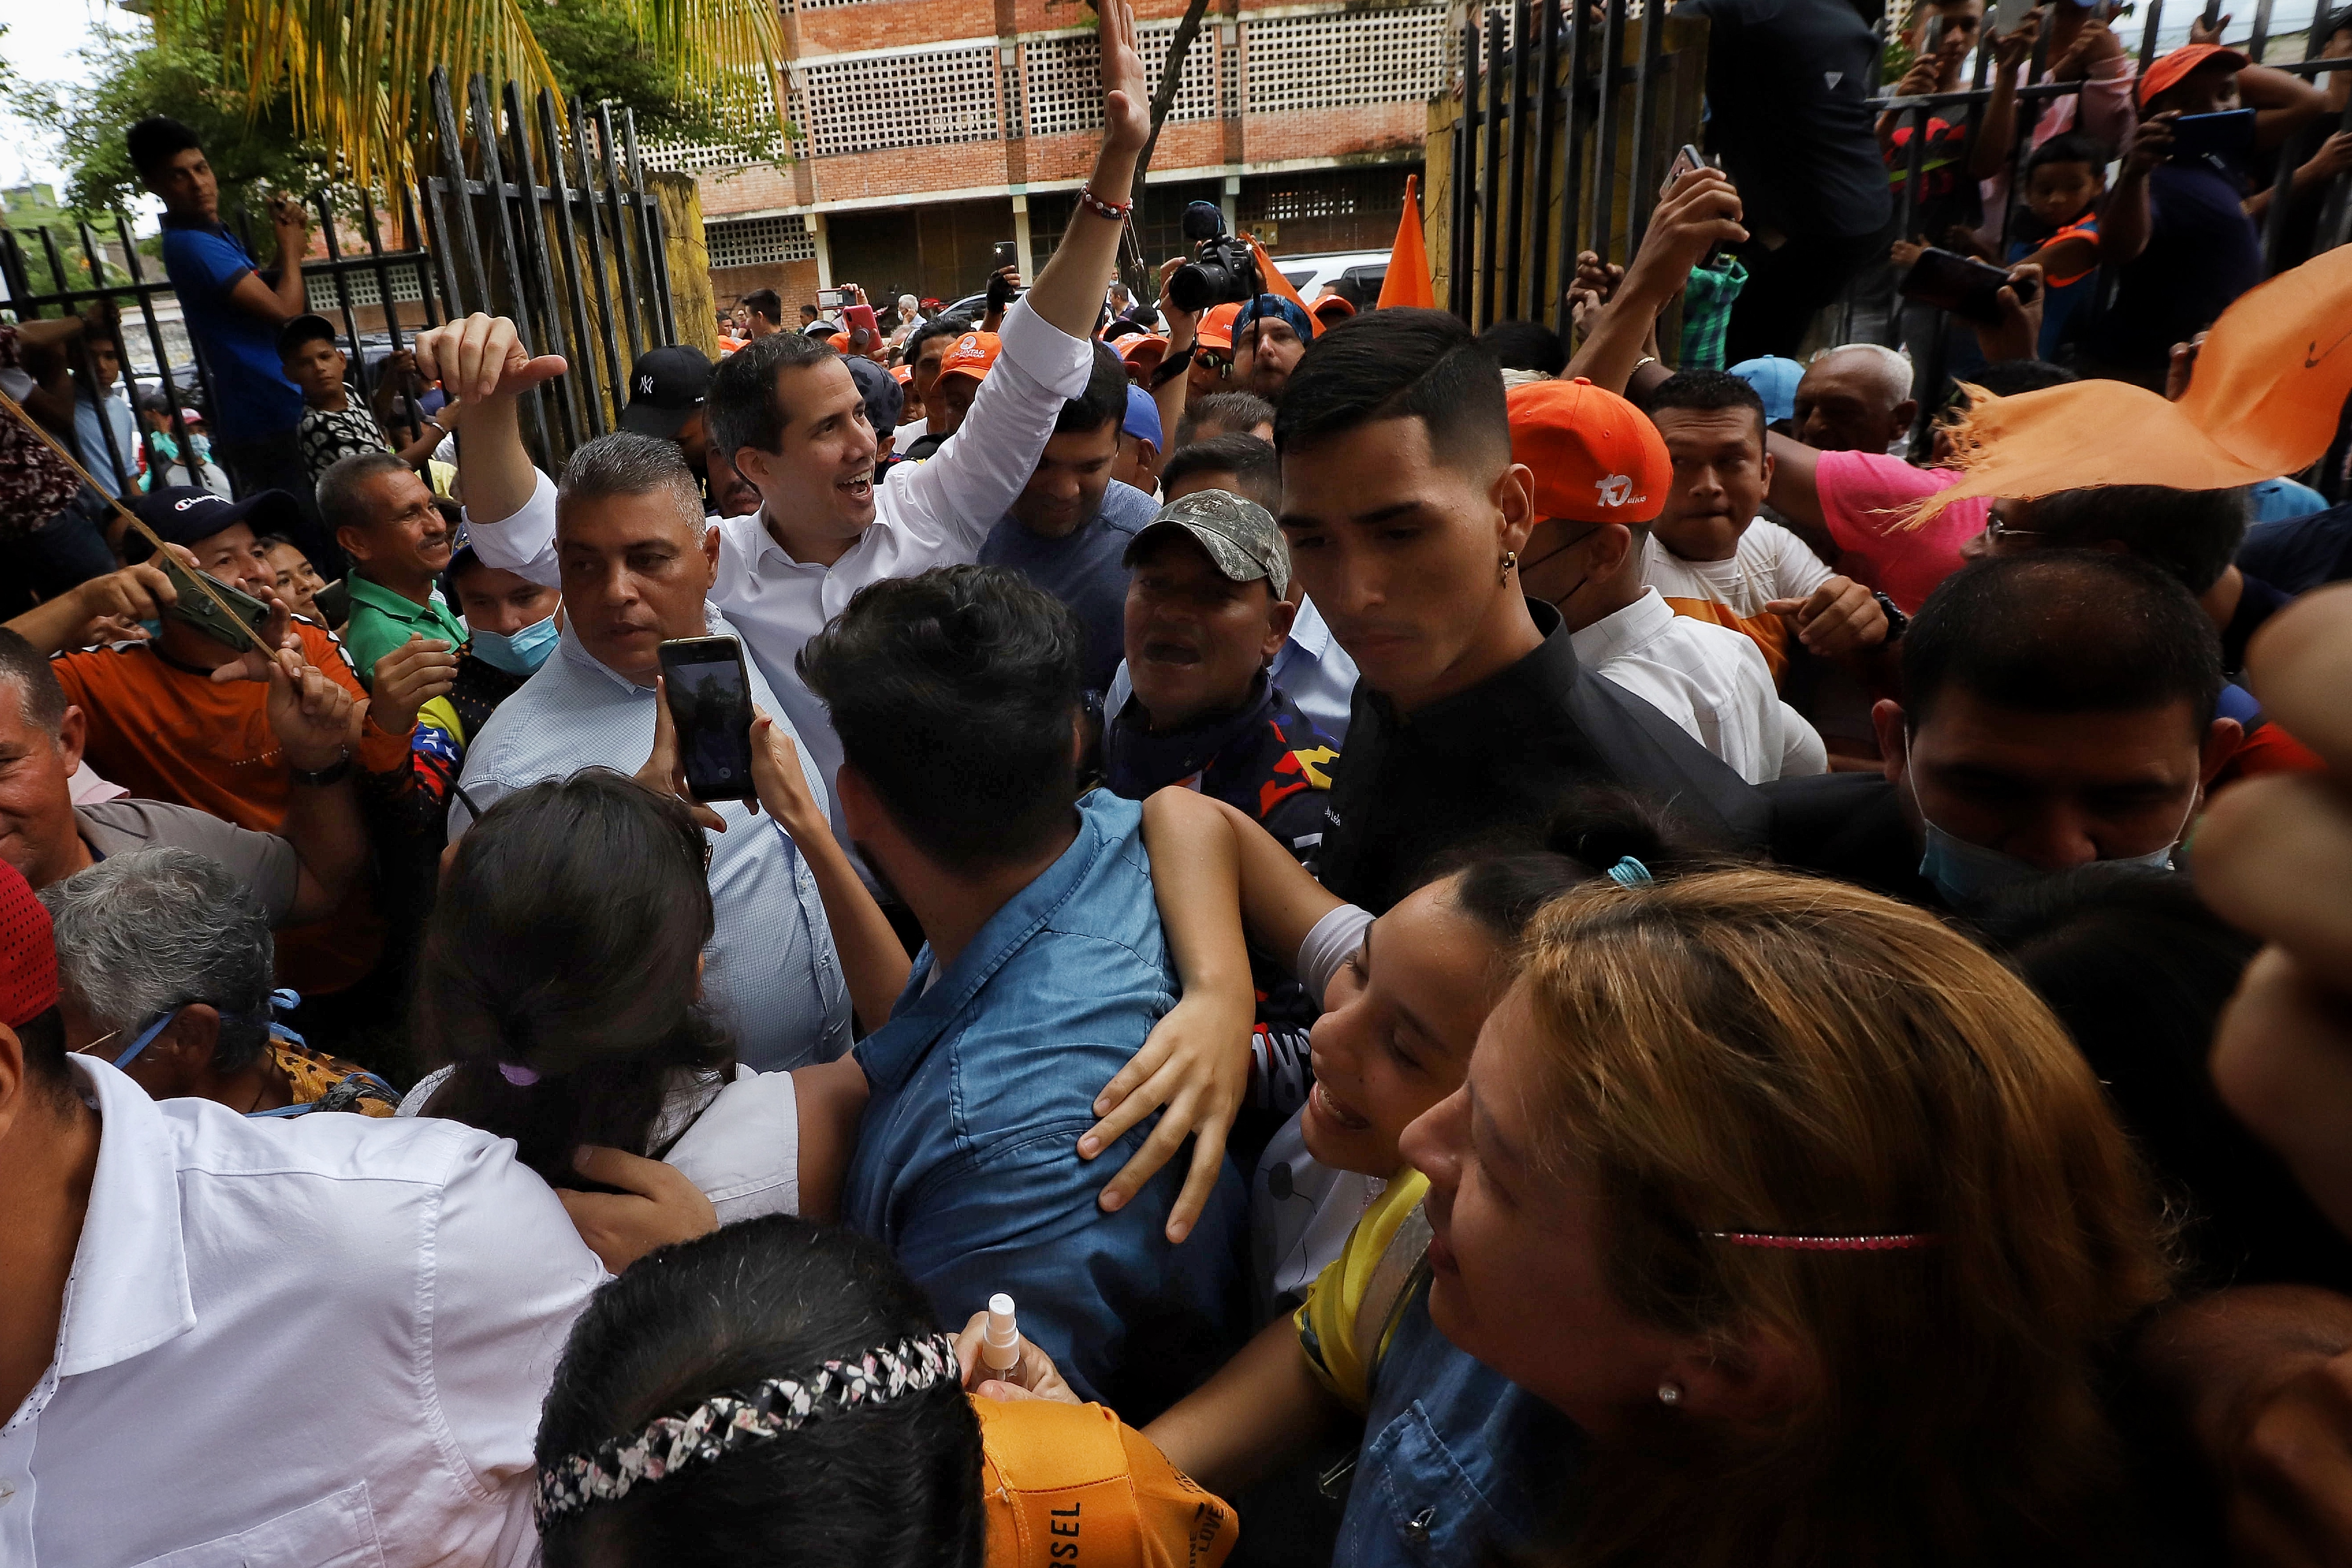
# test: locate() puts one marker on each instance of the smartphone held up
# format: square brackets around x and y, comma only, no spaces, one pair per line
[709,695]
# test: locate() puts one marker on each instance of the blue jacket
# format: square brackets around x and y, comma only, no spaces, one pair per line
[967,1162]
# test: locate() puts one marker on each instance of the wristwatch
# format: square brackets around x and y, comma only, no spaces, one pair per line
[332,773]
[1895,619]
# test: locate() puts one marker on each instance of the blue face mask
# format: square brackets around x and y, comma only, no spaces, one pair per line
[522,653]
[152,628]
[146,1037]
[1970,875]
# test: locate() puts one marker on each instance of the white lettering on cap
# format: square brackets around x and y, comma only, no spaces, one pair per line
[1617,491]
[645,386]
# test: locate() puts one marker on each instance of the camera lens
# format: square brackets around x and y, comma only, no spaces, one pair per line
[1191,290]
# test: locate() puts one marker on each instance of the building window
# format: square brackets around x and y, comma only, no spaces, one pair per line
[754,241]
[320,295]
[867,103]
[1335,61]
[1064,85]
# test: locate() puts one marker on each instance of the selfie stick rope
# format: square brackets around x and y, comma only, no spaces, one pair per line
[10,406]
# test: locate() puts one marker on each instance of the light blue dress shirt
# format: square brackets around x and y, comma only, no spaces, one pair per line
[771,971]
[967,1163]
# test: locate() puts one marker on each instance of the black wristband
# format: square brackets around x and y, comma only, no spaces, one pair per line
[1168,369]
[333,774]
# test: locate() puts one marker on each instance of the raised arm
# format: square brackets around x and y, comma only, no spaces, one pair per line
[1701,210]
[285,301]
[481,361]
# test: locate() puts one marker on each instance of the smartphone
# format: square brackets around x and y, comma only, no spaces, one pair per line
[194,609]
[857,316]
[834,298]
[334,602]
[1007,255]
[1686,160]
[710,703]
[2230,135]
[2009,15]
[1961,284]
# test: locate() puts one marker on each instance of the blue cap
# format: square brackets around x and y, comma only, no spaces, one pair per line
[1273,305]
[1142,415]
[1775,381]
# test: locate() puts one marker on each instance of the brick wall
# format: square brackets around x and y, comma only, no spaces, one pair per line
[794,282]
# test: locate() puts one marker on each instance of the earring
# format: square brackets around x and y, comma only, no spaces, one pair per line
[1670,1393]
[1510,560]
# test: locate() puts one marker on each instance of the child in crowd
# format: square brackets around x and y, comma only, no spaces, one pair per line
[2057,229]
[332,426]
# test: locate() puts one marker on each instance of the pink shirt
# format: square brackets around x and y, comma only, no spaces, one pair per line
[1864,497]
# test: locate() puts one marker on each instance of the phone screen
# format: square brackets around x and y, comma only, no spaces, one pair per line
[711,704]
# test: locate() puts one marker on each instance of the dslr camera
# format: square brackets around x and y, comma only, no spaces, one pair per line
[1222,271]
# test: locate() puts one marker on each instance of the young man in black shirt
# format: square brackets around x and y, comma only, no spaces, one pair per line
[1405,516]
[2058,709]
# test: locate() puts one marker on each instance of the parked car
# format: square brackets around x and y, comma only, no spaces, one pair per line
[1366,270]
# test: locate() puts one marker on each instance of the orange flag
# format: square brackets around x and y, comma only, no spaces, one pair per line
[1408,280]
[1276,283]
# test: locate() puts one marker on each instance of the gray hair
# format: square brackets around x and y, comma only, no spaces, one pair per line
[26,669]
[343,500]
[624,463]
[142,933]
[1890,367]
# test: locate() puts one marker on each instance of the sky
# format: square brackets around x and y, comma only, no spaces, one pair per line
[42,44]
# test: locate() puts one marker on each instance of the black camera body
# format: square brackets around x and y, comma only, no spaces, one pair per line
[1223,269]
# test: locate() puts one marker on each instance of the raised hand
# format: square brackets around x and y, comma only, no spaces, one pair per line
[482,357]
[1127,97]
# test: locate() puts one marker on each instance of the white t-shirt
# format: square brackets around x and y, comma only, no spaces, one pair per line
[1771,563]
[737,1142]
[1710,679]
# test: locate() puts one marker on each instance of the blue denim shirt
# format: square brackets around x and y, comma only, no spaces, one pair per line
[1459,1463]
[967,1162]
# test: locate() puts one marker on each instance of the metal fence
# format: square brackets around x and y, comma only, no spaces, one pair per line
[578,261]
[1550,153]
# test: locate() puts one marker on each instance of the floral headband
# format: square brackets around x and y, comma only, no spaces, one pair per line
[726,1422]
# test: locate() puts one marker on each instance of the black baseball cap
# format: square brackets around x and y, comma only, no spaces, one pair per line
[665,386]
[302,329]
[184,514]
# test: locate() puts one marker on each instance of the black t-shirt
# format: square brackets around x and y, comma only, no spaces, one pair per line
[2202,252]
[1788,90]
[1850,826]
[1498,759]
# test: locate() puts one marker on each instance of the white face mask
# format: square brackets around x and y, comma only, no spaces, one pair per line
[1970,876]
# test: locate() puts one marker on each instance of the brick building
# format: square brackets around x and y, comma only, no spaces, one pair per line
[928,131]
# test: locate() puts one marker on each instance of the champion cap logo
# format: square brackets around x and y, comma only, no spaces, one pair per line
[1832,77]
[184,502]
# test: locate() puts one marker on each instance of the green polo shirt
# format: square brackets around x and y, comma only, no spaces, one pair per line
[382,620]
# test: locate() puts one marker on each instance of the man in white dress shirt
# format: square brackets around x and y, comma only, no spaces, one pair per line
[225,1341]
[791,418]
[1601,474]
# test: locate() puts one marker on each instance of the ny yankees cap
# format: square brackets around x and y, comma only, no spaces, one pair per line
[1596,457]
[1239,535]
[665,386]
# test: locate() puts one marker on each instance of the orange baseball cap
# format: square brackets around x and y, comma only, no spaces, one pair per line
[1597,459]
[902,374]
[971,354]
[1217,326]
[1330,310]
[2168,72]
[1143,352]
[1073,1483]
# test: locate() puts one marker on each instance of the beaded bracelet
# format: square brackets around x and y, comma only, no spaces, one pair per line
[1116,212]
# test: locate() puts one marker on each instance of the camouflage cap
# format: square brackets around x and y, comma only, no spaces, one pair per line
[1239,535]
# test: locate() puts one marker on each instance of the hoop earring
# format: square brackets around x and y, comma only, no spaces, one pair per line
[1510,561]
[1670,1393]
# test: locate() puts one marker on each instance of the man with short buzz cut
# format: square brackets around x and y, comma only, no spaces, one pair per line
[2057,708]
[1242,464]
[1405,517]
[385,519]
[955,695]
[1225,413]
[169,1263]
[1855,398]
[789,416]
[1069,529]
[637,559]
[234,311]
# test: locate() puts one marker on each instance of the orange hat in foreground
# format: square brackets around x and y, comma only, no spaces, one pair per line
[2268,382]
[971,355]
[1072,1484]
[1143,353]
[1596,457]
[1330,310]
[2166,71]
[1217,326]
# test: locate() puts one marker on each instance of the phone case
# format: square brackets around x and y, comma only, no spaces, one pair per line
[197,610]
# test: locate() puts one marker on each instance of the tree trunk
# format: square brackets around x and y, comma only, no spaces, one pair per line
[1163,98]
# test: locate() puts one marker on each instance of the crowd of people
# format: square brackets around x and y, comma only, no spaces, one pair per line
[1339,940]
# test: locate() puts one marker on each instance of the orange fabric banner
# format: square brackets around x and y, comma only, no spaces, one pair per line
[1407,280]
[1276,283]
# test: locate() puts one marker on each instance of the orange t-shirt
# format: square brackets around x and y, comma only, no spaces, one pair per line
[170,732]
